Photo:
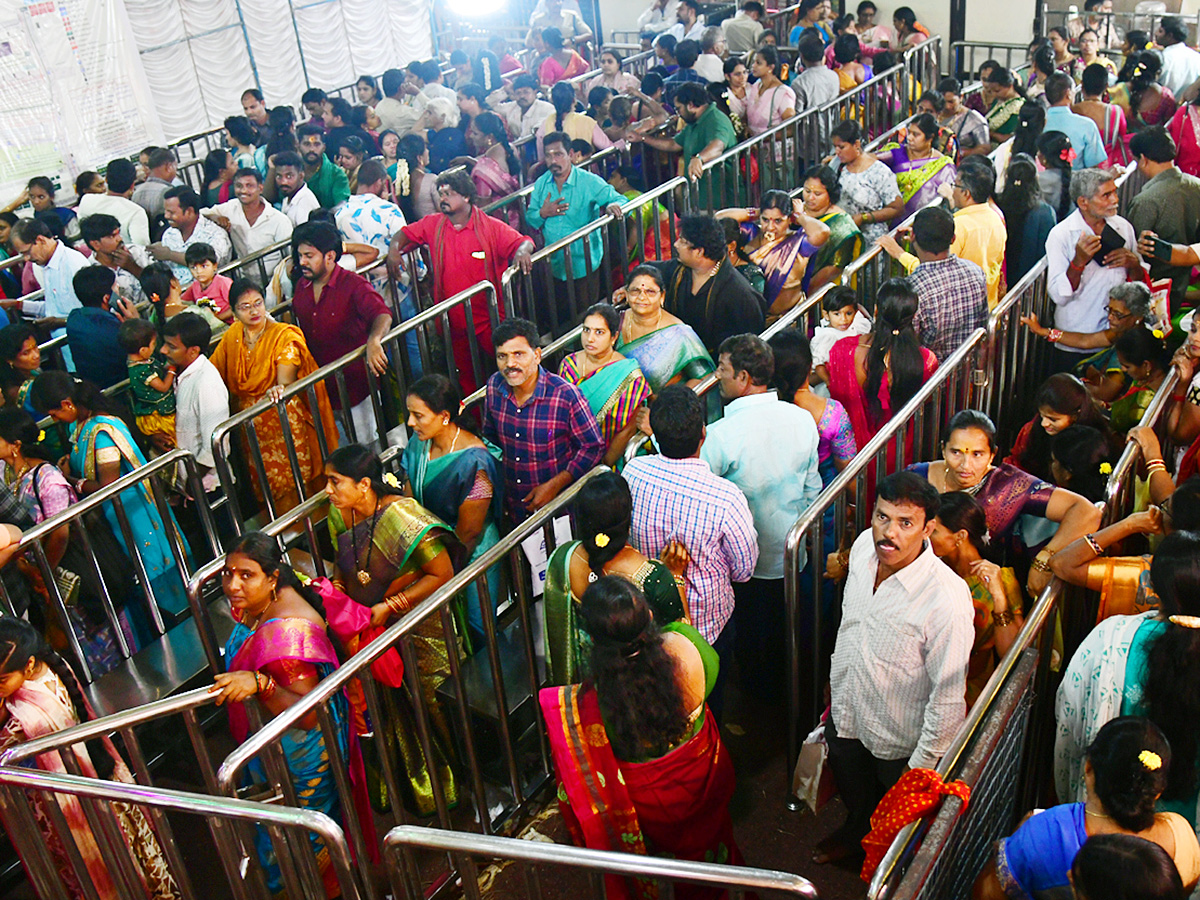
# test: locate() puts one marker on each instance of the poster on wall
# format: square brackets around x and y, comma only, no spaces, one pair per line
[72,91]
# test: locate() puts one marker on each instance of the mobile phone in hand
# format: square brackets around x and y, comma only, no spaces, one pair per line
[1162,249]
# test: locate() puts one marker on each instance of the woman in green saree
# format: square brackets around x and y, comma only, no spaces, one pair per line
[664,347]
[456,475]
[603,511]
[391,554]
[612,384]
[920,169]
[1145,360]
[821,193]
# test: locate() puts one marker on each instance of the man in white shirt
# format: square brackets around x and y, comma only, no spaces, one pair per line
[1078,274]
[768,450]
[526,115]
[898,675]
[135,224]
[298,199]
[1181,64]
[182,208]
[252,222]
[201,397]
[55,265]
[393,110]
[658,17]
[742,30]
[690,25]
[711,63]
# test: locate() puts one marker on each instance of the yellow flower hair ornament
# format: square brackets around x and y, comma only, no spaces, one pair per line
[1105,468]
[601,540]
[1157,332]
[391,480]
[41,436]
[1150,760]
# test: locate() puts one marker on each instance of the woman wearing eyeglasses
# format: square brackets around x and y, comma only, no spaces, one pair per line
[257,358]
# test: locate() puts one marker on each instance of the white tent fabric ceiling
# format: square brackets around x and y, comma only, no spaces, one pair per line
[198,63]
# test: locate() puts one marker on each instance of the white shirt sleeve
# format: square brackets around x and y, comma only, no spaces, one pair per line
[947,651]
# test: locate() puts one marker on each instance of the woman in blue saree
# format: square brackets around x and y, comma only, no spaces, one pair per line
[277,653]
[612,384]
[780,242]
[1128,765]
[456,475]
[103,450]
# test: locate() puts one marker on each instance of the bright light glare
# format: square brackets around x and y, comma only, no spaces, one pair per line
[480,8]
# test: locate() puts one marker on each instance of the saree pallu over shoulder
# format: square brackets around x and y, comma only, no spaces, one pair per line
[402,525]
[566,644]
[668,352]
[613,392]
[676,806]
[441,485]
[117,431]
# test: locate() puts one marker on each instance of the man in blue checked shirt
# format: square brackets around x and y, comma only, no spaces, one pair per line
[542,422]
[564,200]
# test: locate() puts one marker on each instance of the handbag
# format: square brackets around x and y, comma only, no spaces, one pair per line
[350,622]
[812,780]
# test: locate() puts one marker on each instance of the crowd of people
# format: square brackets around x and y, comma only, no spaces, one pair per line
[674,581]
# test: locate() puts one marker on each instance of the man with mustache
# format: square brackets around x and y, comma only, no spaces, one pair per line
[564,200]
[898,677]
[541,421]
[324,178]
[339,311]
[467,246]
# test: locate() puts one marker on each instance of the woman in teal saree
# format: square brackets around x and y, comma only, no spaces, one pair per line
[277,653]
[456,475]
[603,514]
[103,450]
[612,384]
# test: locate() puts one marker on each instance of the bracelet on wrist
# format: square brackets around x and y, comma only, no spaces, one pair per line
[1094,544]
[1054,335]
[1071,265]
[268,689]
[1041,562]
[1179,398]
[1004,617]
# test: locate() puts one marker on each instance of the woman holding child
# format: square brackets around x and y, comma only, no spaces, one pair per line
[257,358]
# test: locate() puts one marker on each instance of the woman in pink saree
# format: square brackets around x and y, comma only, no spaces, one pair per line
[562,63]
[874,375]
[277,653]
[496,166]
[39,696]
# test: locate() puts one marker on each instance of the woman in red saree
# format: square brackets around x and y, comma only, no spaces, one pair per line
[640,762]
[874,375]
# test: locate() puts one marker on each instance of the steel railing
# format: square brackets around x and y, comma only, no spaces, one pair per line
[401,843]
[116,495]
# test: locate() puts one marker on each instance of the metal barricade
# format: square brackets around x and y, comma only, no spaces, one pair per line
[780,23]
[1120,496]
[967,56]
[143,485]
[591,866]
[106,805]
[989,753]
[486,704]
[547,296]
[1121,22]
[424,342]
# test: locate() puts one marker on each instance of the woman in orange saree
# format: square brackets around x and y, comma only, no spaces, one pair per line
[642,769]
[255,357]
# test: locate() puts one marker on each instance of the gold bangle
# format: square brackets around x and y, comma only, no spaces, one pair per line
[268,690]
[398,603]
[1004,617]
[1094,544]
[1040,563]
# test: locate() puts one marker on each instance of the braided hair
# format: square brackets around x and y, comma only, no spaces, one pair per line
[636,679]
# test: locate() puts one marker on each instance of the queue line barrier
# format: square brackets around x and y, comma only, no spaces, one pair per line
[589,866]
[113,498]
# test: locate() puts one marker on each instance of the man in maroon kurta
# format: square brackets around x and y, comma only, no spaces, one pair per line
[339,311]
[467,246]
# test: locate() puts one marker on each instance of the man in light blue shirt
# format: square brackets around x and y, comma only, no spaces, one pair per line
[55,265]
[1084,135]
[767,448]
[565,199]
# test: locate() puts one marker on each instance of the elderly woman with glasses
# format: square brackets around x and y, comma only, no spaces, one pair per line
[257,358]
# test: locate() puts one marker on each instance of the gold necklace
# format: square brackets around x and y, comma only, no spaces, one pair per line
[364,576]
[457,432]
[657,322]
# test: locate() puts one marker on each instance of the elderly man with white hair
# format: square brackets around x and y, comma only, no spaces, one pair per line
[1087,254]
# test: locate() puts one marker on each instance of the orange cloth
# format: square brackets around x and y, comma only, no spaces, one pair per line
[919,791]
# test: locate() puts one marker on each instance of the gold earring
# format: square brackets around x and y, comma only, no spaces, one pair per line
[445,420]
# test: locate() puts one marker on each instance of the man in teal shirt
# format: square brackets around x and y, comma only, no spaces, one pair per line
[707,134]
[564,200]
